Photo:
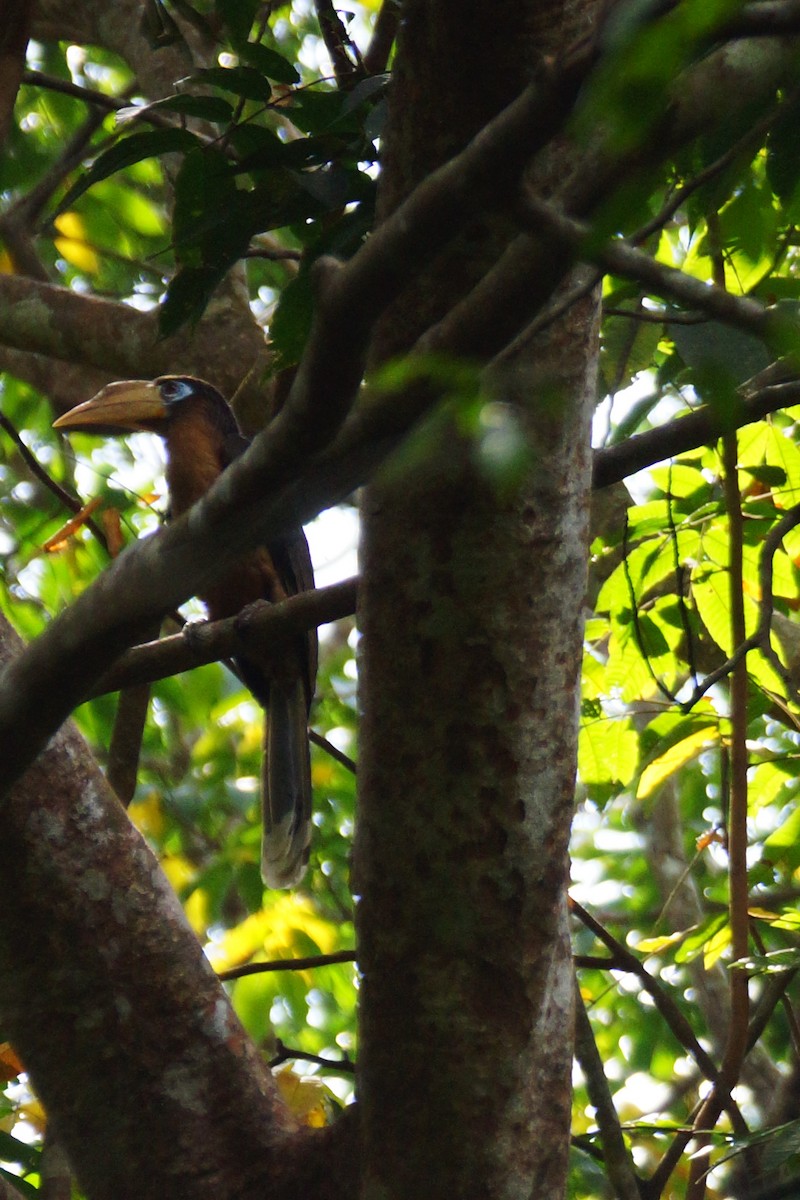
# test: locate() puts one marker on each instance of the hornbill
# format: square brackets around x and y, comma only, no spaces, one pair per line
[202,438]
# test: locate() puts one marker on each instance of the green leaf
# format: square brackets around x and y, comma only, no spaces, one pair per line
[208,108]
[258,147]
[783,152]
[783,846]
[714,347]
[269,63]
[608,752]
[291,321]
[238,16]
[769,477]
[627,348]
[710,590]
[696,941]
[672,760]
[242,81]
[186,297]
[314,110]
[669,728]
[128,151]
[770,783]
[366,89]
[783,453]
[13,1150]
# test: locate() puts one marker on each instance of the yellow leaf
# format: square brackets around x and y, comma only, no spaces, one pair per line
[716,946]
[788,919]
[277,931]
[307,1098]
[655,944]
[198,910]
[72,244]
[148,815]
[763,914]
[656,772]
[112,527]
[178,870]
[59,540]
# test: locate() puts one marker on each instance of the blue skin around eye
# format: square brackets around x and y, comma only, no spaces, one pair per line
[175,390]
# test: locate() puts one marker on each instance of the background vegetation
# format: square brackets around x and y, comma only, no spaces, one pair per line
[224,191]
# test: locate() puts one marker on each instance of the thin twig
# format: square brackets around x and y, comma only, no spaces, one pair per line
[760,638]
[285,1053]
[619,257]
[333,751]
[338,42]
[773,994]
[97,99]
[666,1006]
[699,428]
[70,502]
[288,964]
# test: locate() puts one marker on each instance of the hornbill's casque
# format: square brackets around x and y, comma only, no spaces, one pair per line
[202,438]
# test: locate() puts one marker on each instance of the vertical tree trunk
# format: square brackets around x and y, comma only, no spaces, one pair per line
[471,615]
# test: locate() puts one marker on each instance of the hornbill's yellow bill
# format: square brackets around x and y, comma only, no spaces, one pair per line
[131,404]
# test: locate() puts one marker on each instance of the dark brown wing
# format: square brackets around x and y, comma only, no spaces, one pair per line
[286,688]
[292,560]
[283,568]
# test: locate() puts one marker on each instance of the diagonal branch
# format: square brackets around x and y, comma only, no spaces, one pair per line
[618,257]
[616,1155]
[698,428]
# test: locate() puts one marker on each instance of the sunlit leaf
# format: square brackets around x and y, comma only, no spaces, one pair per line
[71,243]
[783,846]
[659,771]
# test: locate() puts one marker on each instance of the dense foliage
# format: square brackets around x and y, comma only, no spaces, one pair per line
[262,158]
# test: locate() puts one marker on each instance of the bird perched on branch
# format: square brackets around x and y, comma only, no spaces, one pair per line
[202,438]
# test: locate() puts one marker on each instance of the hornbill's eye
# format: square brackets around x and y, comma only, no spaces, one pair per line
[173,390]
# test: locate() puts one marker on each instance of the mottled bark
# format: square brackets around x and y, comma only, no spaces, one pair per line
[152,1086]
[112,340]
[471,609]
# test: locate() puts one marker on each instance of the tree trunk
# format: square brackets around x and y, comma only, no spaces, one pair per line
[471,611]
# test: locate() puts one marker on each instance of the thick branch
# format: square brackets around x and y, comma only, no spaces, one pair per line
[697,428]
[265,626]
[121,341]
